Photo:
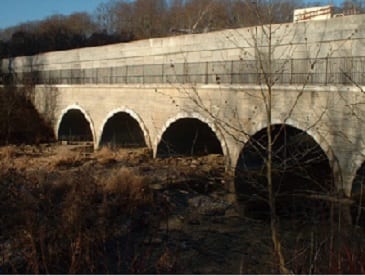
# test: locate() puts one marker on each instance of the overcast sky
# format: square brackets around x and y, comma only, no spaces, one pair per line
[13,12]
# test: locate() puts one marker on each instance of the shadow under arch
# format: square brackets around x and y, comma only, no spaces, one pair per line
[190,135]
[123,127]
[325,146]
[301,171]
[74,124]
[358,195]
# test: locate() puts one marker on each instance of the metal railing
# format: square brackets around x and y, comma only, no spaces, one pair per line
[321,71]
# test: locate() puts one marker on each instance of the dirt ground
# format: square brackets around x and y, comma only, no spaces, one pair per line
[202,230]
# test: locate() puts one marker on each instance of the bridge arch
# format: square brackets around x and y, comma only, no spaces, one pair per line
[184,115]
[317,137]
[82,115]
[130,115]
[301,168]
[358,191]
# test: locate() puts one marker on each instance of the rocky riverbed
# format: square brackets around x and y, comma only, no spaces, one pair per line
[187,222]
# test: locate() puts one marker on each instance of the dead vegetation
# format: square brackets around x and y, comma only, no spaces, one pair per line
[65,210]
[62,223]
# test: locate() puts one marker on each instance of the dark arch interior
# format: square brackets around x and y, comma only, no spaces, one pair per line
[121,130]
[74,127]
[358,195]
[300,171]
[188,137]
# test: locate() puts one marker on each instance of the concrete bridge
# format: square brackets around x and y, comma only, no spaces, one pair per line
[207,93]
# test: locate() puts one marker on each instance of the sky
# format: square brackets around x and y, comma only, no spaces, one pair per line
[14,12]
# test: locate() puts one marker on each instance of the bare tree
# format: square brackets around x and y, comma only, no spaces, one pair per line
[274,148]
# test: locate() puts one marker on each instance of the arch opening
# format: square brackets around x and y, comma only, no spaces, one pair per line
[74,127]
[301,173]
[358,195]
[122,130]
[188,137]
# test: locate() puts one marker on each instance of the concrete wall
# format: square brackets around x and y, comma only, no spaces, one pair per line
[337,37]
[331,115]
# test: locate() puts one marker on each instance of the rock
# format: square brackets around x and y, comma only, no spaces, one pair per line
[206,205]
[156,186]
[232,212]
[154,241]
[173,223]
[206,168]
[218,220]
[194,221]
[145,168]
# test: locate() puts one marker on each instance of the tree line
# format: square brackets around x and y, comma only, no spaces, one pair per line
[123,21]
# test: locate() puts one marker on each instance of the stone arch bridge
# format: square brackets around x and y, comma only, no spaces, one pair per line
[206,93]
[231,114]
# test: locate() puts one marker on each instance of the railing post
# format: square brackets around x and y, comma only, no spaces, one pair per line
[162,73]
[291,70]
[326,74]
[206,72]
[143,68]
[126,74]
[231,73]
[185,78]
[352,68]
[185,72]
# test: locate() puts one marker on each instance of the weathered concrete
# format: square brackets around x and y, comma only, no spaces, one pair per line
[331,115]
[338,37]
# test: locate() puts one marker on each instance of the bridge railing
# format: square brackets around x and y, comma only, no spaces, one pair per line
[321,71]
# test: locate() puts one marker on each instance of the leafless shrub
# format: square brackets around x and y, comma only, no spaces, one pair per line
[126,183]
[8,152]
[67,158]
[167,262]
[64,226]
[105,155]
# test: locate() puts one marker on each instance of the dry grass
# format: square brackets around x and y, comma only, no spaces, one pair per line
[166,264]
[8,152]
[67,158]
[61,225]
[105,155]
[94,219]
[125,182]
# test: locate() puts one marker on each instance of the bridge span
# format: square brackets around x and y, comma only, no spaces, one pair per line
[167,117]
[206,93]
